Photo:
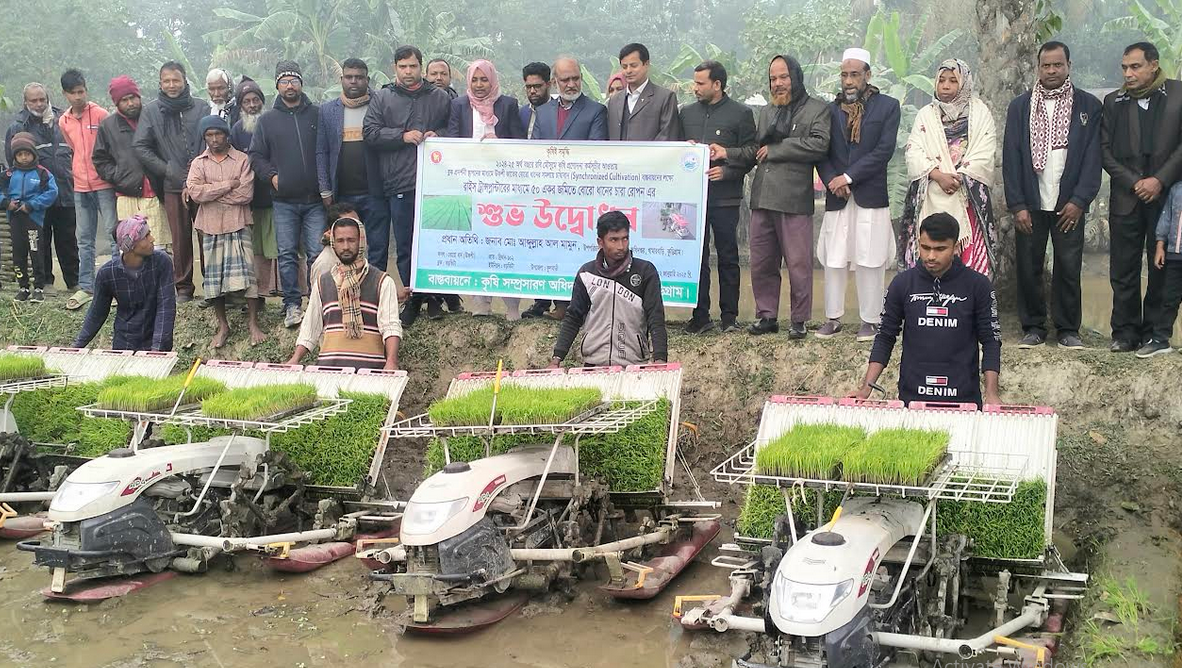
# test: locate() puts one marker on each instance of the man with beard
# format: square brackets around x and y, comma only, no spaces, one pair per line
[537,92]
[439,73]
[352,309]
[222,102]
[222,183]
[250,101]
[114,159]
[166,141]
[572,116]
[856,234]
[40,119]
[792,137]
[283,152]
[401,115]
[718,121]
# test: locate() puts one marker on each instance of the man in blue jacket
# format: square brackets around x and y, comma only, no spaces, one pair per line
[856,235]
[947,314]
[1051,174]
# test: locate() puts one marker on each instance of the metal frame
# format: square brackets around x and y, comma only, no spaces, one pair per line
[17,386]
[607,418]
[191,417]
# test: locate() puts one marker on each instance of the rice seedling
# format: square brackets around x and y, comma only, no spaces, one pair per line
[515,405]
[808,451]
[1000,530]
[17,367]
[764,503]
[895,457]
[254,403]
[338,451]
[155,395]
[50,416]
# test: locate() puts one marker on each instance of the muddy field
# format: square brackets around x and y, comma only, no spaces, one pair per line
[1117,515]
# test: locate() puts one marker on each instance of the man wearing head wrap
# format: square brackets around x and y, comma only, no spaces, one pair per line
[166,141]
[352,308]
[250,103]
[950,160]
[140,280]
[791,136]
[222,101]
[222,183]
[39,118]
[856,234]
[115,161]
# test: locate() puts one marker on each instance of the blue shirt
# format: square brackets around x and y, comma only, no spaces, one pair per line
[145,310]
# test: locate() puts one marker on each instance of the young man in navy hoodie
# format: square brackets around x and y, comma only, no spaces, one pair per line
[946,311]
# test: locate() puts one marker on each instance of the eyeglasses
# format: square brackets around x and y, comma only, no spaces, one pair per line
[288,82]
[534,86]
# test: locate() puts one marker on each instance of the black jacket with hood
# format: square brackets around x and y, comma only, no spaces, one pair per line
[393,111]
[284,145]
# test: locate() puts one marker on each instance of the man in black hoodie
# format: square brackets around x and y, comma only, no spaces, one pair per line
[283,152]
[947,310]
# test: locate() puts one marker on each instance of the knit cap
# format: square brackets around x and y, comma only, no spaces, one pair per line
[24,141]
[122,86]
[288,68]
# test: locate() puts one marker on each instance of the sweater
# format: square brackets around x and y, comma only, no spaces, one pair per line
[944,320]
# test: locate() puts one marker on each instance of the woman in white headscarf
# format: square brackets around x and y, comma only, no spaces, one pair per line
[951,156]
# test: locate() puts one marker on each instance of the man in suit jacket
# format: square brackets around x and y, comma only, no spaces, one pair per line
[1051,174]
[572,116]
[856,234]
[1141,145]
[537,92]
[644,111]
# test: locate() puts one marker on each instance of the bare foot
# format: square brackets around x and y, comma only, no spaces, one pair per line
[257,336]
[219,339]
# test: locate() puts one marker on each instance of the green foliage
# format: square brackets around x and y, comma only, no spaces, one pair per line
[468,448]
[515,405]
[895,456]
[338,451]
[154,395]
[764,503]
[253,403]
[811,34]
[1000,530]
[808,451]
[16,367]
[1161,23]
[51,416]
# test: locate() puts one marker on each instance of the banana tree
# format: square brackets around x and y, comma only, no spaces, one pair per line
[5,103]
[1162,26]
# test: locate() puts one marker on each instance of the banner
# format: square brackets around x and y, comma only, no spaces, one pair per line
[516,218]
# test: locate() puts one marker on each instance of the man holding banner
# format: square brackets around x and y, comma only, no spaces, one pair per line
[617,301]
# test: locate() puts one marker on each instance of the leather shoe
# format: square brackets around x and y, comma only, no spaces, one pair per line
[764,326]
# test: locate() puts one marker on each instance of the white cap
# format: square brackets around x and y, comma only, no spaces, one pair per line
[855,53]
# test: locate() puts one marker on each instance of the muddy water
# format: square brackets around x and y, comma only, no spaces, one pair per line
[250,617]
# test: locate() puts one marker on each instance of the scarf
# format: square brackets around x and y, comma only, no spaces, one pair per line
[133,122]
[178,104]
[958,108]
[130,231]
[484,106]
[781,125]
[355,103]
[617,76]
[1158,83]
[854,112]
[349,278]
[1046,133]
[611,270]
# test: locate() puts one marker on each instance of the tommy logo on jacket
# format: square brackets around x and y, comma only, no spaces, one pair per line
[936,314]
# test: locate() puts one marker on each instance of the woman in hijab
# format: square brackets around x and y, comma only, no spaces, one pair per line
[615,83]
[483,113]
[950,162]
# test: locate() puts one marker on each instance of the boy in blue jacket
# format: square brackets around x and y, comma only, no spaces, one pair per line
[26,190]
[1169,257]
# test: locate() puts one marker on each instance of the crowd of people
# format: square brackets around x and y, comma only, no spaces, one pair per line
[267,188]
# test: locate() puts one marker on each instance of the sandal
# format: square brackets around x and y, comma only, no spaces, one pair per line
[78,300]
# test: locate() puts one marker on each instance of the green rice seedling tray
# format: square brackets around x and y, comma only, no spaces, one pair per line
[896,457]
[156,395]
[515,405]
[1014,530]
[51,416]
[20,367]
[764,503]
[811,451]
[258,403]
[337,451]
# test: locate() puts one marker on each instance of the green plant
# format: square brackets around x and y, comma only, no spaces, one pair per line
[808,450]
[1000,530]
[14,367]
[1160,26]
[764,503]
[338,451]
[51,416]
[895,456]
[515,405]
[252,403]
[154,395]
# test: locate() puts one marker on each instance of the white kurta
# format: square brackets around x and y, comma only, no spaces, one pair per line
[856,236]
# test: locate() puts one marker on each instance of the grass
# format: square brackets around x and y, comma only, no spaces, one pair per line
[1128,640]
[253,403]
[17,367]
[515,405]
[808,451]
[51,416]
[895,456]
[157,395]
[1000,530]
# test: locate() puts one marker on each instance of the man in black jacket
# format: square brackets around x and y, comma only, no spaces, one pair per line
[114,160]
[283,153]
[40,119]
[1051,174]
[1141,143]
[166,141]
[401,115]
[717,120]
[944,311]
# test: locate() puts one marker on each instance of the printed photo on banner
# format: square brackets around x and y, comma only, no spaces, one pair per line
[518,218]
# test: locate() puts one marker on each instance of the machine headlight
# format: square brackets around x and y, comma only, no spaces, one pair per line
[424,518]
[74,496]
[809,603]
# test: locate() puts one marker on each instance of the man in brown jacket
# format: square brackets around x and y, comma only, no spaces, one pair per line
[1141,141]
[792,137]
